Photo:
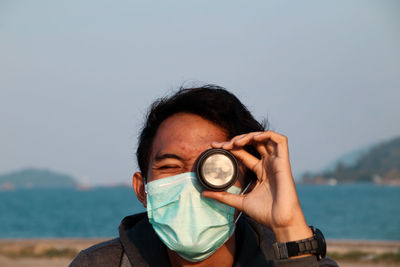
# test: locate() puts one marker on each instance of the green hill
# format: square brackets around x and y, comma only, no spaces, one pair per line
[35,178]
[380,164]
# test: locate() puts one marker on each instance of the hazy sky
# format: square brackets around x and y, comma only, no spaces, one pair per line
[76,77]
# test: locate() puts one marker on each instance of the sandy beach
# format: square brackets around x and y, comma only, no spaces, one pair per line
[60,252]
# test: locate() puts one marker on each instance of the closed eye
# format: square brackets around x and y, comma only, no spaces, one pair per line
[164,167]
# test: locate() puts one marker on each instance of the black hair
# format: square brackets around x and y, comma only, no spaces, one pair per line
[210,102]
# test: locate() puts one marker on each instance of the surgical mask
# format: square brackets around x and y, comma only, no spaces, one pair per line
[189,224]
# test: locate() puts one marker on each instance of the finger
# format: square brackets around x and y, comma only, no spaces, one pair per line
[240,141]
[227,144]
[272,148]
[232,200]
[245,139]
[261,149]
[246,158]
[249,140]
[217,144]
[280,140]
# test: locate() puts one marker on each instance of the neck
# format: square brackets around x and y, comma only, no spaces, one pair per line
[224,256]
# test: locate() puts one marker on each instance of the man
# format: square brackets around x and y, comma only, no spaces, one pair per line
[186,224]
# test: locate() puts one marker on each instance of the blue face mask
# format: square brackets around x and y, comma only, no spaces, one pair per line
[189,224]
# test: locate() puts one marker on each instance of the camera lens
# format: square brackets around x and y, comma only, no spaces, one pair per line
[217,169]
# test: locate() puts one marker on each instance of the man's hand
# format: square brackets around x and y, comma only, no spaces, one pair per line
[273,201]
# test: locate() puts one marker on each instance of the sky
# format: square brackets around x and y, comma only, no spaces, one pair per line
[77,77]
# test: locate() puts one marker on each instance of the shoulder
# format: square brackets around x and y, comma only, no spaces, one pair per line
[106,253]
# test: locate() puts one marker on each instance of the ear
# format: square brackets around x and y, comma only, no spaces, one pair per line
[138,186]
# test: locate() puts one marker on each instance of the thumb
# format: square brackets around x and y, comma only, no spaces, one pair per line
[232,200]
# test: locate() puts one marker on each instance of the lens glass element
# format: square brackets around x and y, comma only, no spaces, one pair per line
[218,169]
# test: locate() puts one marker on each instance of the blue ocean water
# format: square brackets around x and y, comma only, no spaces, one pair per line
[365,212]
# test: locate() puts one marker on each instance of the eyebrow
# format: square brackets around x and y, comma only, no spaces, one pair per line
[167,156]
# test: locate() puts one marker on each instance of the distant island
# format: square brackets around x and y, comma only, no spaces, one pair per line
[35,178]
[380,164]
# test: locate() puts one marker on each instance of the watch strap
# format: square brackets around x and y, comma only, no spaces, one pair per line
[297,248]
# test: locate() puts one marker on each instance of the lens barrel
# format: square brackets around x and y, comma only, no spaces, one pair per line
[217,169]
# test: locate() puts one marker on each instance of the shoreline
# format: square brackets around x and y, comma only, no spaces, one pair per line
[60,251]
[377,246]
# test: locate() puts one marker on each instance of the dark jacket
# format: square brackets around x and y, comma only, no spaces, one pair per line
[139,245]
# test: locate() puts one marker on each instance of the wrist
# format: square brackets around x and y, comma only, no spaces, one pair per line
[292,233]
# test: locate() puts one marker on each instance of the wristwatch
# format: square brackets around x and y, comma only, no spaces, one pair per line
[315,245]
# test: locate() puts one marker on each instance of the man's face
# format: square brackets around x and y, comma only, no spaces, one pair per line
[179,141]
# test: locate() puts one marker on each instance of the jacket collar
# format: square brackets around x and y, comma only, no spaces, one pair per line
[141,243]
[143,247]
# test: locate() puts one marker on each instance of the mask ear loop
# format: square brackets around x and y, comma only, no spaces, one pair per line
[244,191]
[145,185]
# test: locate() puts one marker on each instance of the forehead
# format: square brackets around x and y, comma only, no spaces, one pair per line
[186,135]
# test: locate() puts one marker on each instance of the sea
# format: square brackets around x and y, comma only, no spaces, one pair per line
[351,212]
